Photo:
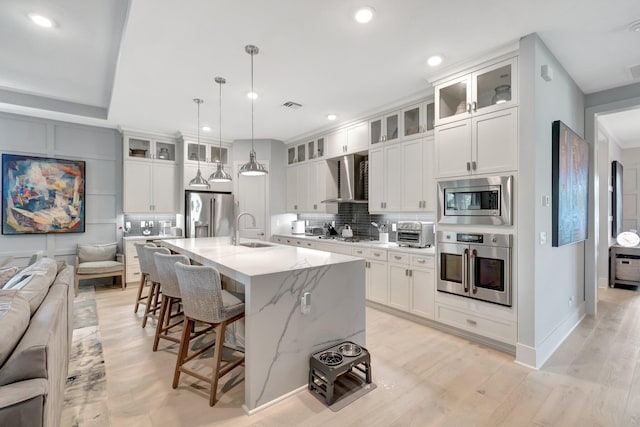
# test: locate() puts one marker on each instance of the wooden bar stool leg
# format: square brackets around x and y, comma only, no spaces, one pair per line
[148,307]
[182,352]
[159,326]
[217,356]
[139,296]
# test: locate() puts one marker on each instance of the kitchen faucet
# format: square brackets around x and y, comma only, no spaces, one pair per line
[236,237]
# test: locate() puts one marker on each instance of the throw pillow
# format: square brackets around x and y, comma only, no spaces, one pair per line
[34,281]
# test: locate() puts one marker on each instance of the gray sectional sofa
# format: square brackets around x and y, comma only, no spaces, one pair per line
[36,308]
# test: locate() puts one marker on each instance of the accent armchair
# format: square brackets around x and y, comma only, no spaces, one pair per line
[99,260]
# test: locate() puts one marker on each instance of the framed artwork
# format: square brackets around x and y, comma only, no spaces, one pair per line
[570,185]
[42,195]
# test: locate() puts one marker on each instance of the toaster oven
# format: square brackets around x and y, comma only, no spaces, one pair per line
[415,234]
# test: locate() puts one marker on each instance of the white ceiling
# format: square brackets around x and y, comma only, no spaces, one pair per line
[311,52]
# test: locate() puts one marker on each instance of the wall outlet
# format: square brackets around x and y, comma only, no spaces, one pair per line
[543,237]
[570,301]
[149,223]
[546,201]
[143,224]
[394,227]
[305,303]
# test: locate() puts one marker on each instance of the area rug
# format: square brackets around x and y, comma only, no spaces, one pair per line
[85,402]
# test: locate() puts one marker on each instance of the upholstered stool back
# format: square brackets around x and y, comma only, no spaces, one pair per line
[165,265]
[149,253]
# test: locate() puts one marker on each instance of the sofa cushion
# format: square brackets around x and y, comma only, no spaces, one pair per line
[100,267]
[43,345]
[6,274]
[14,319]
[33,282]
[88,253]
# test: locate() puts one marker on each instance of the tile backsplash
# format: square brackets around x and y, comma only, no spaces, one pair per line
[137,229]
[359,218]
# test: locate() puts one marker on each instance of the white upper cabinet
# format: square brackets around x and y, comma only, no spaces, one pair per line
[347,141]
[418,120]
[484,144]
[336,142]
[150,182]
[206,152]
[482,91]
[308,185]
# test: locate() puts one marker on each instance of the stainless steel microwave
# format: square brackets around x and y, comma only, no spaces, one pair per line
[486,201]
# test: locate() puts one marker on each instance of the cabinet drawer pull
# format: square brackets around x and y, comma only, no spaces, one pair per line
[397,257]
[376,254]
[421,261]
[472,322]
[308,244]
[136,274]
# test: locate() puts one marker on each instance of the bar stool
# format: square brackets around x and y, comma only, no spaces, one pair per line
[144,274]
[205,301]
[165,265]
[154,288]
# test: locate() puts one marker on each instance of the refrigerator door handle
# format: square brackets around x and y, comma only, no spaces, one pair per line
[212,207]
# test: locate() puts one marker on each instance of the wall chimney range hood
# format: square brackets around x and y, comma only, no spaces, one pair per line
[353,176]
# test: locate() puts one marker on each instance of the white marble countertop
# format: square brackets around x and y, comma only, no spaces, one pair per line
[248,262]
[152,237]
[363,244]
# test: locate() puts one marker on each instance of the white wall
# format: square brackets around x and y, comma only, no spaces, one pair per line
[631,188]
[550,280]
[102,150]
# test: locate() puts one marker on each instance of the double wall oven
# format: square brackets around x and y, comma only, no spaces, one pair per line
[475,265]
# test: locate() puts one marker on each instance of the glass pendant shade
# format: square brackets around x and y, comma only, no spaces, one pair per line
[503,94]
[252,167]
[220,175]
[199,181]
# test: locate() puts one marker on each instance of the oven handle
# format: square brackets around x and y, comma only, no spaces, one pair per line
[472,271]
[465,262]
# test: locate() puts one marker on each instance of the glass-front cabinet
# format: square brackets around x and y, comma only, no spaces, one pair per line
[488,89]
[137,148]
[417,120]
[302,150]
[385,128]
[217,154]
[291,155]
[196,152]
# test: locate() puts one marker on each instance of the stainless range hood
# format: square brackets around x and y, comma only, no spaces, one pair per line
[353,175]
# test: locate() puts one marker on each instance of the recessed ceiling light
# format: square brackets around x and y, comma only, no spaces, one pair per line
[40,20]
[635,27]
[332,117]
[206,129]
[364,14]
[252,95]
[434,60]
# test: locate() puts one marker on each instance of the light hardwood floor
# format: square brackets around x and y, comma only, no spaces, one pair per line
[424,377]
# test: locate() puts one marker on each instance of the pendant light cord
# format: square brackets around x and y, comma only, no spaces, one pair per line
[220,122]
[252,100]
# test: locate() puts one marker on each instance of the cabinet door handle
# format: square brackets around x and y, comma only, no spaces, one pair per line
[475,106]
[406,272]
[468,166]
[381,205]
[315,206]
[468,107]
[473,165]
[410,273]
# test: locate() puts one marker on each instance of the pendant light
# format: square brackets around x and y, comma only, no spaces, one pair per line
[220,175]
[199,181]
[252,167]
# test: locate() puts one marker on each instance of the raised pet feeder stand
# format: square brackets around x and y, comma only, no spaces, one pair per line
[326,368]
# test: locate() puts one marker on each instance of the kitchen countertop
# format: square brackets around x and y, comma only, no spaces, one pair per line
[229,259]
[375,244]
[151,237]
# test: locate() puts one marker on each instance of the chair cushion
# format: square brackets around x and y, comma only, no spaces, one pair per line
[14,319]
[6,274]
[100,267]
[88,253]
[231,303]
[34,281]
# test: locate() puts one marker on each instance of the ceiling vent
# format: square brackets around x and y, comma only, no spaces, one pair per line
[292,105]
[635,71]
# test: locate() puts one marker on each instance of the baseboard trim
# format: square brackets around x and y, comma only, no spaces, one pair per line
[603,282]
[273,402]
[536,357]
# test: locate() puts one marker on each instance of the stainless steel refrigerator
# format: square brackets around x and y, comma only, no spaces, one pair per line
[208,214]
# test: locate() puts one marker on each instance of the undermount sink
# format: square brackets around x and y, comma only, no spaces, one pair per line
[255,245]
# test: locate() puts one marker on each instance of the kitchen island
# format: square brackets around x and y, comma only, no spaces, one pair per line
[279,337]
